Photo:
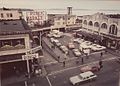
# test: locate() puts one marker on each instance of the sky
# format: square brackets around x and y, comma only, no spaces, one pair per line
[62,4]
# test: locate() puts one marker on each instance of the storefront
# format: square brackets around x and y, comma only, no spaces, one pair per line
[111,41]
[13,65]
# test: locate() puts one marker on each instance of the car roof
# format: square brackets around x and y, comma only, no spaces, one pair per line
[86,74]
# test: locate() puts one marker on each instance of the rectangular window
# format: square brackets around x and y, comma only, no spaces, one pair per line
[11,15]
[2,15]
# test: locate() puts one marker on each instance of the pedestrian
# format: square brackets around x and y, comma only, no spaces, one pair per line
[100,64]
[58,58]
[101,54]
[63,63]
[82,60]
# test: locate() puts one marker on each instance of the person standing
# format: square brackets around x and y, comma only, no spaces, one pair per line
[63,63]
[82,60]
[100,64]
[101,54]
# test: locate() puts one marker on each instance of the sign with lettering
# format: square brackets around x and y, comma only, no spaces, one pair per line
[29,56]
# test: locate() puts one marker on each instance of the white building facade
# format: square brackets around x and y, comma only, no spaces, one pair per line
[104,26]
[36,18]
[9,14]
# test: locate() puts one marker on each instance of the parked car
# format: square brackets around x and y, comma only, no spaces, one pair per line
[56,35]
[81,41]
[49,35]
[94,68]
[96,47]
[87,43]
[75,80]
[52,40]
[84,47]
[64,49]
[71,46]
[76,52]
[58,44]
[76,40]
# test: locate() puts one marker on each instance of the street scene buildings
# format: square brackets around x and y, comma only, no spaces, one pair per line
[38,48]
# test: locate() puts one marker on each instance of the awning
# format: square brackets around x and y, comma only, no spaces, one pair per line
[93,36]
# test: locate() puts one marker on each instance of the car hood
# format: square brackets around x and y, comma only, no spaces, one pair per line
[75,79]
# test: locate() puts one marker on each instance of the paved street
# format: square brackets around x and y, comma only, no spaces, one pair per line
[57,75]
[108,76]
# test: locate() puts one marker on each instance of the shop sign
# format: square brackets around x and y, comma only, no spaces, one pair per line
[29,56]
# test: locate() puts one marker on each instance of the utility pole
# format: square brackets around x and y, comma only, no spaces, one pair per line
[119,79]
[28,67]
[26,83]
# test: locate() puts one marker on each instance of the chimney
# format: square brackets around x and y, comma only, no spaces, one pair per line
[69,10]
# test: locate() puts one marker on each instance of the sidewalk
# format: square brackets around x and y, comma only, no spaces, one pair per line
[114,52]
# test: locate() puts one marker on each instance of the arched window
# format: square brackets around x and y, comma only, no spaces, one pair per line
[113,29]
[85,22]
[90,23]
[104,26]
[96,24]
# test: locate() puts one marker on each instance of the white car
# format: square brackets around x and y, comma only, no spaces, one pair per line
[78,40]
[71,46]
[84,46]
[75,80]
[76,52]
[81,41]
[49,35]
[64,49]
[56,35]
[58,44]
[52,40]
[87,42]
[96,47]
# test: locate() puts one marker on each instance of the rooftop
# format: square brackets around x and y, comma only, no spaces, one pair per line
[13,26]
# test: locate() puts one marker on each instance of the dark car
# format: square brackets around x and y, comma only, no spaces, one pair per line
[90,68]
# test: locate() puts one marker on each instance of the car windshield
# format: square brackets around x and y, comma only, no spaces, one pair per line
[80,77]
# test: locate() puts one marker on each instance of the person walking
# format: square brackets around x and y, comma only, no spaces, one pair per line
[100,64]
[59,58]
[63,63]
[101,54]
[82,60]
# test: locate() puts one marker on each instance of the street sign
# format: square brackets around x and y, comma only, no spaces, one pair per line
[29,56]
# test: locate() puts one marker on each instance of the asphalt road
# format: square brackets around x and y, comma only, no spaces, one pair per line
[107,76]
[59,75]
